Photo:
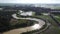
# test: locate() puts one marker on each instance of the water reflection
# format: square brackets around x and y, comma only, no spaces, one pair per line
[36,26]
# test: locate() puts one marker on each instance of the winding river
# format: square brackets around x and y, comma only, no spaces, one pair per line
[26,29]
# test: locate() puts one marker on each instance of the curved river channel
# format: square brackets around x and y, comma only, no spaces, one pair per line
[39,25]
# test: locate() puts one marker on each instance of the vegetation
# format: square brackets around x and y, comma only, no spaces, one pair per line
[52,28]
[22,22]
[57,17]
[7,23]
[13,24]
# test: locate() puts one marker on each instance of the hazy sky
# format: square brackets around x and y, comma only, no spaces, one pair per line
[31,1]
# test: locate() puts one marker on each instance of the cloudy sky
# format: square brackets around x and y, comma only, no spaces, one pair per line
[31,1]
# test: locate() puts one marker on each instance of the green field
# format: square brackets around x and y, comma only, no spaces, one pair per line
[57,17]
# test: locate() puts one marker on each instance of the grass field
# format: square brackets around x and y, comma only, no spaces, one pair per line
[57,18]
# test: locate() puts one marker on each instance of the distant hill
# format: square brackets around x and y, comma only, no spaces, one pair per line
[35,5]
